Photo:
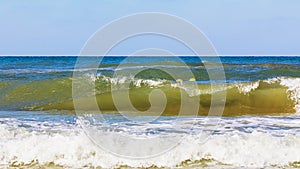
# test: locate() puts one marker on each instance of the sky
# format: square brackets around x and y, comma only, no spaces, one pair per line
[235,27]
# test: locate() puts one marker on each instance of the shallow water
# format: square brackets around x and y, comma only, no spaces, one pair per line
[46,138]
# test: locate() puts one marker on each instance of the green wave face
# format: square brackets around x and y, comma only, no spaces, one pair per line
[24,96]
[250,98]
[254,85]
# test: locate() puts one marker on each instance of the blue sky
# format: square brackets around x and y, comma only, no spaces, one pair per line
[235,27]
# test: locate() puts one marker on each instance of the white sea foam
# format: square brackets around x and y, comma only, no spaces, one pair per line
[247,87]
[240,142]
[128,79]
[151,83]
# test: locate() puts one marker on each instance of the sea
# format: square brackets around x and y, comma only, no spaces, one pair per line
[149,112]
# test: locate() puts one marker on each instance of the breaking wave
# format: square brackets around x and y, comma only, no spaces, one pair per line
[263,97]
[239,142]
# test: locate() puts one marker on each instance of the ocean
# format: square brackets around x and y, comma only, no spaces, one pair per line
[48,116]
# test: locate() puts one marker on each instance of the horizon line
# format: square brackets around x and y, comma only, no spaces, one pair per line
[149,55]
